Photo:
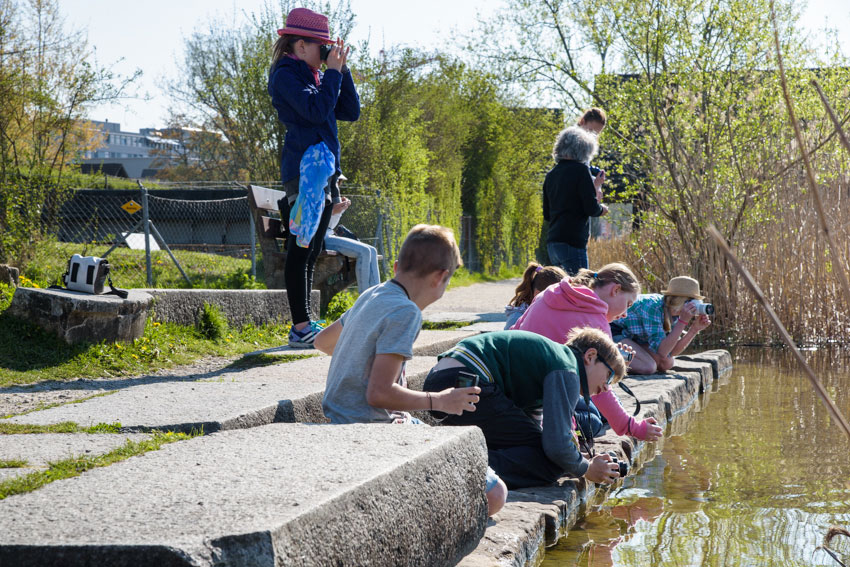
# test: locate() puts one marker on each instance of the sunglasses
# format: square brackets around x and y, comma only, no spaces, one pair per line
[611,370]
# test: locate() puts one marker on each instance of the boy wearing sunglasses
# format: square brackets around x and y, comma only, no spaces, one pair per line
[522,377]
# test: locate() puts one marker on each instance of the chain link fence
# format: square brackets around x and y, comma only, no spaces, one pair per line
[202,234]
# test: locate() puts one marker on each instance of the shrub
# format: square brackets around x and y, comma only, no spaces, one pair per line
[212,324]
[339,304]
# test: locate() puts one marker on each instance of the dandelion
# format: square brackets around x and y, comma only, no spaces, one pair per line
[136,357]
[156,323]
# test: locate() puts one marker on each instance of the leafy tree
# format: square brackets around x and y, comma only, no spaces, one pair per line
[694,107]
[47,82]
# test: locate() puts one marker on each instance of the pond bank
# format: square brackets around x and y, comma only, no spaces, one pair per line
[536,518]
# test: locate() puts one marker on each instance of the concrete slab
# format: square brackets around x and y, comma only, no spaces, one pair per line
[283,494]
[432,343]
[232,398]
[449,316]
[40,449]
[720,360]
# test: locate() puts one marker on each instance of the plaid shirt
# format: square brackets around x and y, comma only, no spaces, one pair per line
[644,321]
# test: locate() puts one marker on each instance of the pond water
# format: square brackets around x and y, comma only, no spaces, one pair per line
[754,477]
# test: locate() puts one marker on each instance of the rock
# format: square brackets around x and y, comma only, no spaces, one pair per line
[77,317]
[9,275]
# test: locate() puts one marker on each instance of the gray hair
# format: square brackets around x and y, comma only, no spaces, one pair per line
[575,143]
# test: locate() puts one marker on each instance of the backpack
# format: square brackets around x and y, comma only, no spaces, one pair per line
[88,274]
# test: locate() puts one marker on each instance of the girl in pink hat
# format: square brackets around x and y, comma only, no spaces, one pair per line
[309,102]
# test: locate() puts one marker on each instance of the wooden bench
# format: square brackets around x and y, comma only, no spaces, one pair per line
[333,272]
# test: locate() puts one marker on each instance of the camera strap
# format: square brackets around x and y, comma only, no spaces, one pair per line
[628,390]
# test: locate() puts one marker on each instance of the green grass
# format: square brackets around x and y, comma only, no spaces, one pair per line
[63,427]
[129,270]
[13,463]
[74,466]
[29,354]
[443,325]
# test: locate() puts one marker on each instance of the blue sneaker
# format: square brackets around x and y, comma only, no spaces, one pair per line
[305,337]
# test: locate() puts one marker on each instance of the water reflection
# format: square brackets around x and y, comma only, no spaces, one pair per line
[756,479]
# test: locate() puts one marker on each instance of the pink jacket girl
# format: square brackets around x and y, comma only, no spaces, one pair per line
[590,299]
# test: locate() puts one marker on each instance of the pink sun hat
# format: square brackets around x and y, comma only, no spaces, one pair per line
[307,23]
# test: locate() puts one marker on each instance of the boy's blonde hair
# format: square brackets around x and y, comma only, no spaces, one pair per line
[588,337]
[429,248]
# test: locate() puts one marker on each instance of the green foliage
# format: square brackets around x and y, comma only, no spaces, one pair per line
[339,304]
[12,463]
[212,324]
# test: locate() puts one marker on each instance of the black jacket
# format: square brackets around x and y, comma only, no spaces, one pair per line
[569,200]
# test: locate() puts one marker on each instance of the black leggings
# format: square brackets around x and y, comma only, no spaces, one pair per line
[298,270]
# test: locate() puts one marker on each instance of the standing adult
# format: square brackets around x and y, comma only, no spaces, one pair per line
[309,103]
[570,198]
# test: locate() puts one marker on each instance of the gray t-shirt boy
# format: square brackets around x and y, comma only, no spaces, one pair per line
[383,320]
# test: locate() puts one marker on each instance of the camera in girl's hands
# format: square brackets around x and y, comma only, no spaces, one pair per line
[702,308]
[325,50]
[627,355]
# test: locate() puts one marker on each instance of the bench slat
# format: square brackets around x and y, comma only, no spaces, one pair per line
[266,198]
[271,227]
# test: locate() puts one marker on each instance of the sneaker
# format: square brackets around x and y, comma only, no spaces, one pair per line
[305,337]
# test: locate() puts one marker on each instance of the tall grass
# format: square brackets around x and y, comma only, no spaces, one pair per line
[785,251]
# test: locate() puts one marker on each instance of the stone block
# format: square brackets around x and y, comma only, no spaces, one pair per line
[9,275]
[77,317]
[240,306]
[720,360]
[283,494]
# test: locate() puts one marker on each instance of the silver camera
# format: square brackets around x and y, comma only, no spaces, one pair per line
[702,307]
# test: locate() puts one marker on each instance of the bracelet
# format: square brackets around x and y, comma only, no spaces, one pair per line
[430,401]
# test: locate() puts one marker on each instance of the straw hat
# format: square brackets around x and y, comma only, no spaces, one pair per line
[683,286]
[307,23]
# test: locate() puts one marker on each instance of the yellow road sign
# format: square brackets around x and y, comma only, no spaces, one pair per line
[131,207]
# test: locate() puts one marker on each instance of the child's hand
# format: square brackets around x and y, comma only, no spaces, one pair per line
[701,322]
[653,431]
[602,470]
[456,400]
[341,207]
[688,311]
[623,347]
[338,56]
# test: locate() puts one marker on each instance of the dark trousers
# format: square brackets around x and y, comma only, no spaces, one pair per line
[514,440]
[298,270]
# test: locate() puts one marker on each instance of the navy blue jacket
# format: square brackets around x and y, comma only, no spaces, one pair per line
[310,112]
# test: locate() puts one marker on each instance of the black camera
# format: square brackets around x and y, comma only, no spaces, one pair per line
[623,465]
[466,379]
[702,308]
[325,50]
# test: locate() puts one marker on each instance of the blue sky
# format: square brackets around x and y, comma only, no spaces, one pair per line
[149,35]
